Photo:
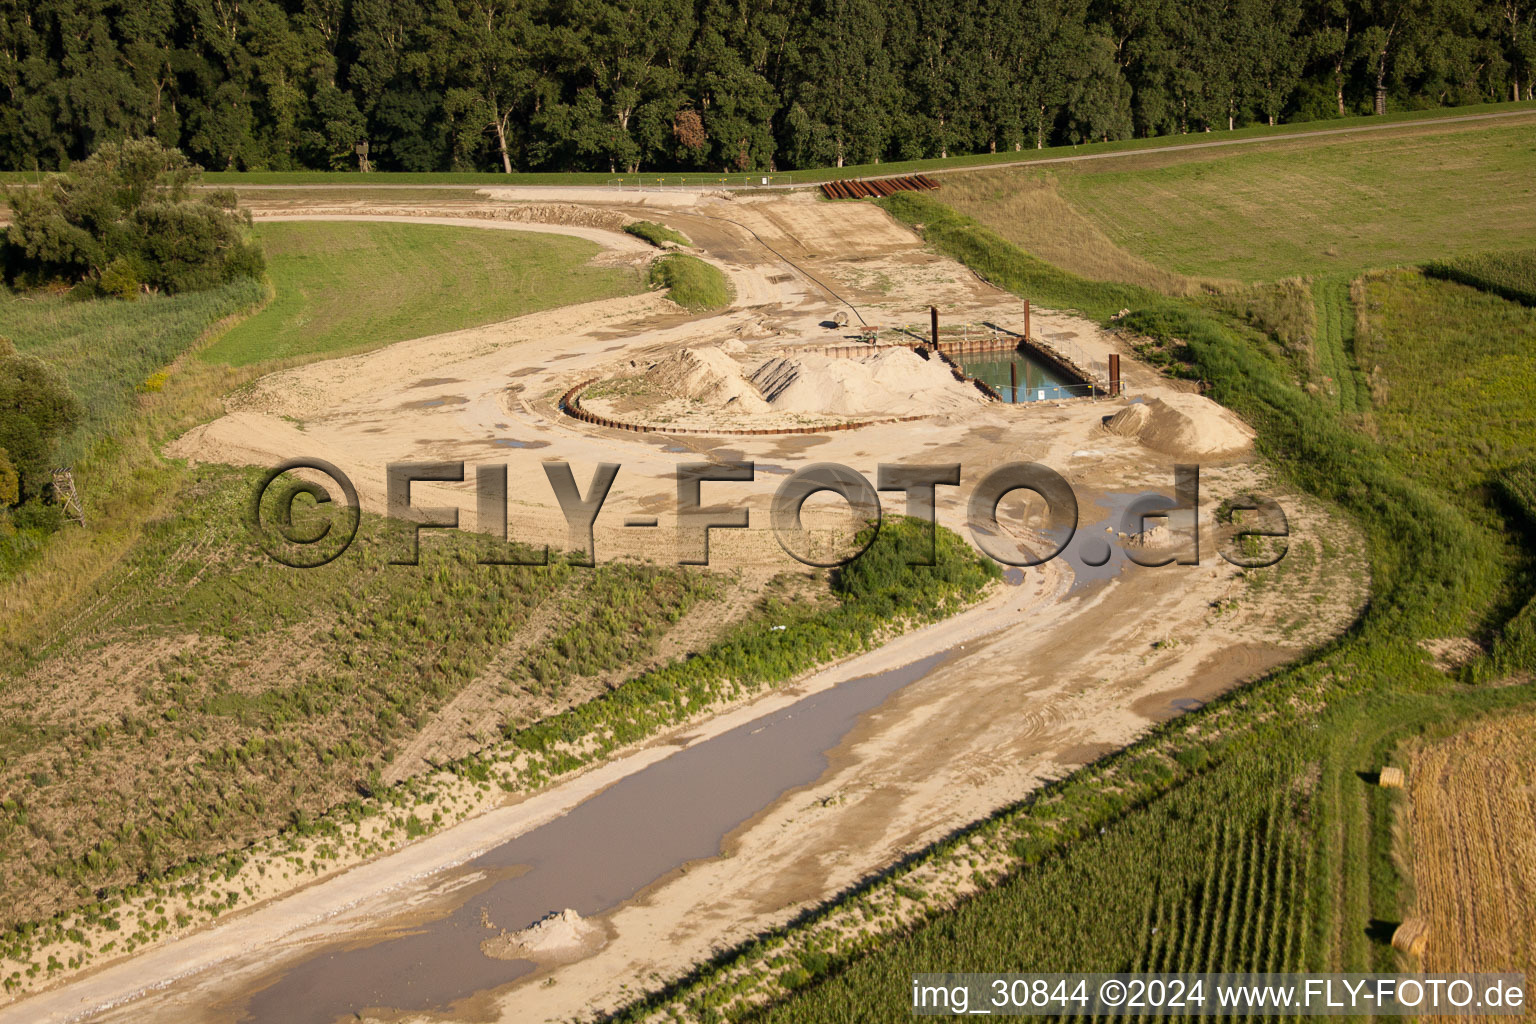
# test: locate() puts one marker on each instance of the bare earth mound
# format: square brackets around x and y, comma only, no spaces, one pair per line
[561,934]
[708,387]
[896,382]
[707,375]
[1183,425]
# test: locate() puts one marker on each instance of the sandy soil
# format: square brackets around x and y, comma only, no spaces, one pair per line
[1043,675]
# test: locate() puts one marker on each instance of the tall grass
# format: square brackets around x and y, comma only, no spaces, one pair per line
[110,351]
[125,362]
[1510,275]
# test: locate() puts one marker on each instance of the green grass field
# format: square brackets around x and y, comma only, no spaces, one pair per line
[349,286]
[1333,207]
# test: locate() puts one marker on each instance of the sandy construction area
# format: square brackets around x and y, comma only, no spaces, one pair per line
[1051,671]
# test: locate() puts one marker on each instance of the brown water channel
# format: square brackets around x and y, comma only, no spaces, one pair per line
[597,856]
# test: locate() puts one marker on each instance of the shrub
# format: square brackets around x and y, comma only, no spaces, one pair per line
[128,217]
[10,481]
[36,409]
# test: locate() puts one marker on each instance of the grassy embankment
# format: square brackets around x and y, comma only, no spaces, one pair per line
[693,284]
[1252,828]
[1319,207]
[227,179]
[658,235]
[126,361]
[346,287]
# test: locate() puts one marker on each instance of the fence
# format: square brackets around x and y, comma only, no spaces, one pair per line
[686,182]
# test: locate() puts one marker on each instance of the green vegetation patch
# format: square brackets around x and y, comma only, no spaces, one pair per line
[110,352]
[658,235]
[1320,207]
[347,286]
[693,284]
[1511,275]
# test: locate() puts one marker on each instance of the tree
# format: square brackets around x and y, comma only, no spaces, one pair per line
[1099,102]
[846,99]
[36,410]
[124,218]
[10,482]
[625,58]
[483,54]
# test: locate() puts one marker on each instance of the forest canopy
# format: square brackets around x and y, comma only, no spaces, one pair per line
[715,84]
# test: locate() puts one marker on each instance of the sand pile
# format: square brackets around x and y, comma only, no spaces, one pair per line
[707,375]
[558,934]
[894,382]
[1157,537]
[1184,425]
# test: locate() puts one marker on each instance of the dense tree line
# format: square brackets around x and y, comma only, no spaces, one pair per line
[714,84]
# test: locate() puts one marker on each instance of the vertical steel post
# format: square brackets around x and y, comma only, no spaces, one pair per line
[933,315]
[1114,375]
[1027,335]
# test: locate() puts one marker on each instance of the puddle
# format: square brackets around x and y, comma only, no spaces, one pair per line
[1096,551]
[507,442]
[600,854]
[433,403]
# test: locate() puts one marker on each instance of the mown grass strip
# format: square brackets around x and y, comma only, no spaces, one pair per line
[350,286]
[1335,345]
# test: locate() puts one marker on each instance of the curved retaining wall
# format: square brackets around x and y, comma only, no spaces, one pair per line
[570,404]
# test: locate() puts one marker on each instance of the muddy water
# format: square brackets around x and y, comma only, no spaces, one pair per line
[1096,551]
[600,854]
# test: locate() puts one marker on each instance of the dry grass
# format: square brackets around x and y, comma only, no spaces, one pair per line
[1027,209]
[1473,837]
